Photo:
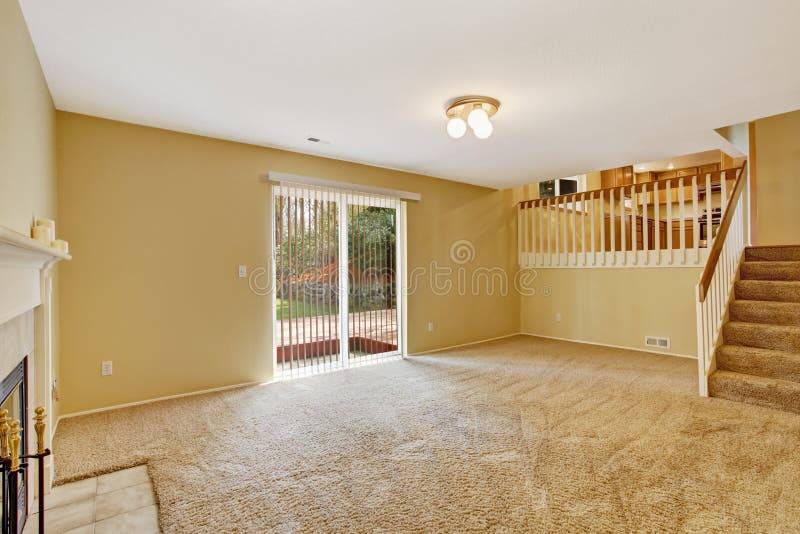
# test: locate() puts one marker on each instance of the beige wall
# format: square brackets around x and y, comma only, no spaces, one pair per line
[158,222]
[27,128]
[615,306]
[27,138]
[777,162]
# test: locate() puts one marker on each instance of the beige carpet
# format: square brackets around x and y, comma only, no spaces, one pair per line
[515,435]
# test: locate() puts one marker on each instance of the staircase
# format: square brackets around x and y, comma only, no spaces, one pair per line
[759,362]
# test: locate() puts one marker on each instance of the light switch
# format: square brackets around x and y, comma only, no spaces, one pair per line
[243,271]
[107,368]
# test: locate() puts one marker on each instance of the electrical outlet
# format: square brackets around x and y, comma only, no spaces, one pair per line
[107,368]
[430,327]
[243,271]
[558,317]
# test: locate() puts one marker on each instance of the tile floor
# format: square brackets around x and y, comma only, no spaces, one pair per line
[118,502]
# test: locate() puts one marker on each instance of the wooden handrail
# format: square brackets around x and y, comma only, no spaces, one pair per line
[722,231]
[638,188]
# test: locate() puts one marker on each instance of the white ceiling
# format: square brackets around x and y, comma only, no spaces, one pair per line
[584,85]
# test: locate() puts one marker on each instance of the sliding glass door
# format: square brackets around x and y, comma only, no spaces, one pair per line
[336,277]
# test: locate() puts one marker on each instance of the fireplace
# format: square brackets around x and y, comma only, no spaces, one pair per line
[26,332]
[14,398]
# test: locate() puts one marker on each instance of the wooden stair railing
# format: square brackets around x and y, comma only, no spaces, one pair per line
[719,275]
[647,224]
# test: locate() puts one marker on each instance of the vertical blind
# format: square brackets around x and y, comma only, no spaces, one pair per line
[336,277]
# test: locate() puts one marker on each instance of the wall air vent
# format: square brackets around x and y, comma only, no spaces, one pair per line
[657,342]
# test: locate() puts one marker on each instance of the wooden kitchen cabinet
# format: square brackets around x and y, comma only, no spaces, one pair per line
[616,177]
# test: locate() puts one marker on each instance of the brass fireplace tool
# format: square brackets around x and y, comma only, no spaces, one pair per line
[11,467]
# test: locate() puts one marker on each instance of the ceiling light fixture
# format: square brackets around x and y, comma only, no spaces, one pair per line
[477,110]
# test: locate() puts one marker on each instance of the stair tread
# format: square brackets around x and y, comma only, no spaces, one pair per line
[788,283]
[778,270]
[775,312]
[761,247]
[787,384]
[757,361]
[768,290]
[772,253]
[770,303]
[744,349]
[783,327]
[774,263]
[763,335]
[770,392]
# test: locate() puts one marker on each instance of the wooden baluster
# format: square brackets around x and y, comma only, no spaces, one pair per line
[634,216]
[583,226]
[701,353]
[669,223]
[525,236]
[602,227]
[520,231]
[723,176]
[574,231]
[540,225]
[612,227]
[558,233]
[695,220]
[717,295]
[592,207]
[533,229]
[657,217]
[682,222]
[565,230]
[645,229]
[549,232]
[709,337]
[709,213]
[623,225]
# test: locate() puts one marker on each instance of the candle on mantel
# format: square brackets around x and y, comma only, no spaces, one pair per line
[60,245]
[43,234]
[50,223]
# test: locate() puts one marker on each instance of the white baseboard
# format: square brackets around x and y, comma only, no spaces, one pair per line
[431,351]
[637,349]
[157,399]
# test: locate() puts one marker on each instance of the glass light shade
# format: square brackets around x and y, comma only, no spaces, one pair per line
[484,130]
[478,118]
[456,128]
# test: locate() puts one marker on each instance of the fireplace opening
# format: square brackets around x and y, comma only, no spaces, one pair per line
[14,398]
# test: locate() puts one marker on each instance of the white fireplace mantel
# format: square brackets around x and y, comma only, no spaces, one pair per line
[22,261]
[26,284]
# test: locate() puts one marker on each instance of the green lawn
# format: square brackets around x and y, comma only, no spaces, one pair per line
[311,309]
[300,309]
